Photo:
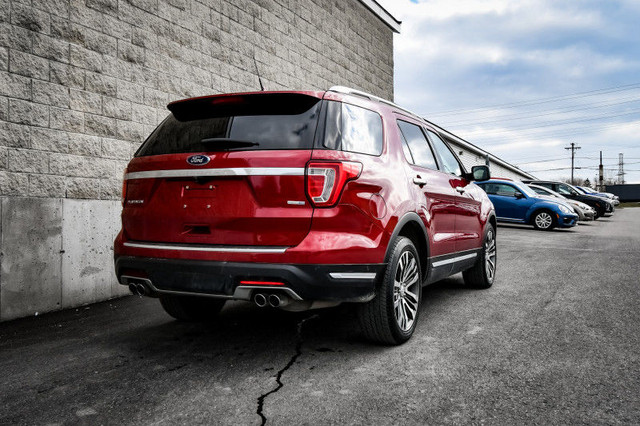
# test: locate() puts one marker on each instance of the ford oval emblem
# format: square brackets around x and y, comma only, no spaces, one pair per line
[198,160]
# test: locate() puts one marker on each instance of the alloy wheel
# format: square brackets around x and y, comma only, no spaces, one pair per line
[406,290]
[544,220]
[490,255]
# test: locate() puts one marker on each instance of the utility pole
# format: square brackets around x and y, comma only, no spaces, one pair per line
[573,149]
[601,174]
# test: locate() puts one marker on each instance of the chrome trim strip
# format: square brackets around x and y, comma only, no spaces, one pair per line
[453,260]
[509,219]
[237,171]
[352,275]
[220,249]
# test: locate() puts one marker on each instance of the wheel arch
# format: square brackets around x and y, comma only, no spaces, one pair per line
[412,227]
[493,221]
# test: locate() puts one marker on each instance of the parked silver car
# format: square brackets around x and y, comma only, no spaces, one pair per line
[584,211]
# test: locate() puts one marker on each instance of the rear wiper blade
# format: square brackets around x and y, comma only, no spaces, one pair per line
[227,143]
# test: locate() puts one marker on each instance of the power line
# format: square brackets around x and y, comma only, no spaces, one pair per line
[542,100]
[567,121]
[540,161]
[550,133]
[524,115]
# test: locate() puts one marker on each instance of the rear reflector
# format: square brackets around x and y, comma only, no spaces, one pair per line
[124,186]
[325,180]
[266,283]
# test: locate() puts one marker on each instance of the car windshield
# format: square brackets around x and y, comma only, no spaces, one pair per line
[546,191]
[566,189]
[525,189]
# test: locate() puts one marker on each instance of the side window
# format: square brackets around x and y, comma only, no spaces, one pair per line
[354,129]
[506,190]
[417,146]
[449,161]
[361,130]
[565,190]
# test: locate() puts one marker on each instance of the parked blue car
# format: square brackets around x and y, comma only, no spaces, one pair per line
[515,202]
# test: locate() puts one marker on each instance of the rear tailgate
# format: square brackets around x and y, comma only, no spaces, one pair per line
[213,176]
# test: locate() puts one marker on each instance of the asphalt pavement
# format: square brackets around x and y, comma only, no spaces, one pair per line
[555,341]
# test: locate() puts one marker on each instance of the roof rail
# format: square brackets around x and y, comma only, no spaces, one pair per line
[350,91]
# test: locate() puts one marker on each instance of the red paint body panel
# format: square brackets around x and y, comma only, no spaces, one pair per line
[229,210]
[274,210]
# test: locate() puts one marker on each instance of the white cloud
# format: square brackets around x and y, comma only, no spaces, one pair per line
[455,55]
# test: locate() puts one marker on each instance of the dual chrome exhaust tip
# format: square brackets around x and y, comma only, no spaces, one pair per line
[273,300]
[139,289]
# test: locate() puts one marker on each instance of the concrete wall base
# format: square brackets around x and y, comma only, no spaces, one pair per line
[56,253]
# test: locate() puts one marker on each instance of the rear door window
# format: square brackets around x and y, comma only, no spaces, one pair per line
[249,122]
[416,147]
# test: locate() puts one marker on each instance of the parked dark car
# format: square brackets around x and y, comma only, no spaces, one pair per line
[600,205]
[517,203]
[612,198]
[300,200]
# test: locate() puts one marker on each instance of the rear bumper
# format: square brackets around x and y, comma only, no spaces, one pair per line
[345,283]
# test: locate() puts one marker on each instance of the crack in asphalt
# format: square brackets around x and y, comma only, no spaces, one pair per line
[299,342]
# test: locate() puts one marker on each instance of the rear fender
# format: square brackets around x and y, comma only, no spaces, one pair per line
[422,243]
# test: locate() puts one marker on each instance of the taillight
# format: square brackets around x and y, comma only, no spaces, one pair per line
[325,180]
[124,186]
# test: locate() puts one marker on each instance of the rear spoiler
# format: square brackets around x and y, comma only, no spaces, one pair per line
[259,103]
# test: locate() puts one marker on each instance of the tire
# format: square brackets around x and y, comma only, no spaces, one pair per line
[391,317]
[483,273]
[544,220]
[187,308]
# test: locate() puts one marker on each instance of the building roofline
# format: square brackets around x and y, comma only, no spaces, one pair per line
[382,13]
[480,151]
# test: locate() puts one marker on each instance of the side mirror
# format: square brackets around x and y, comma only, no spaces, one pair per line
[480,173]
[518,195]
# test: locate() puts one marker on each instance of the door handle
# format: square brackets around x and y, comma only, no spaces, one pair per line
[460,189]
[419,181]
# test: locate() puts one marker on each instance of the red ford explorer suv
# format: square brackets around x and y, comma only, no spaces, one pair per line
[301,200]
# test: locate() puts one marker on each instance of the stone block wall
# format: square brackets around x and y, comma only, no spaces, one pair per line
[82,82]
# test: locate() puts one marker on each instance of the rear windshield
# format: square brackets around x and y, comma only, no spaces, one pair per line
[236,123]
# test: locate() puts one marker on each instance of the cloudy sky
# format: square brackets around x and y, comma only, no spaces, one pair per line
[525,78]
